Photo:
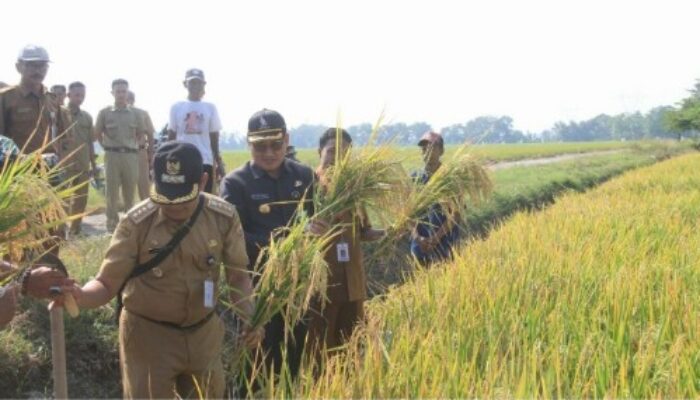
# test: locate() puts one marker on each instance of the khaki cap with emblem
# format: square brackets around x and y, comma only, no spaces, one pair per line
[32,52]
[266,125]
[177,171]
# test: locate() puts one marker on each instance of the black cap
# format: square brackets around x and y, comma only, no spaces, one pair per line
[177,171]
[266,125]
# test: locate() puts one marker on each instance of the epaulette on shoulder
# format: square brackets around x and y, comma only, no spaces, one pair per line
[141,211]
[7,89]
[221,206]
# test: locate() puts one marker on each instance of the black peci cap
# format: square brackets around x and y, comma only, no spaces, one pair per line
[177,172]
[266,125]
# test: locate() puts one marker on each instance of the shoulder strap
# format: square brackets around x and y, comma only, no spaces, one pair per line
[162,253]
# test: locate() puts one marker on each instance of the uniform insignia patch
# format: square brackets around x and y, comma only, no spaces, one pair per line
[221,206]
[172,167]
[298,184]
[141,211]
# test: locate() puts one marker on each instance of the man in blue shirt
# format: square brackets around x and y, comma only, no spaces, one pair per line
[433,237]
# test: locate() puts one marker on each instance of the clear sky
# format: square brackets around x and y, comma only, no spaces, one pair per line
[442,62]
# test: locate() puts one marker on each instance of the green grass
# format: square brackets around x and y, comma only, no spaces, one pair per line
[92,338]
[412,158]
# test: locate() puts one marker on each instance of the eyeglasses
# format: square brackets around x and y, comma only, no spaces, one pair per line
[262,147]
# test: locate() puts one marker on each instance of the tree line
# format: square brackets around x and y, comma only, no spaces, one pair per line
[665,122]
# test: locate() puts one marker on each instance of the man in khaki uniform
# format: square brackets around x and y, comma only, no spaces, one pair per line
[81,152]
[60,92]
[118,128]
[332,325]
[146,146]
[29,114]
[32,117]
[169,332]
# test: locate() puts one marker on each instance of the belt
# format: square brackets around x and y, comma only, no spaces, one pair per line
[187,328]
[121,149]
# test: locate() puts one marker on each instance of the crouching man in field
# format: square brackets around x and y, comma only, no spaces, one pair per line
[165,256]
[332,325]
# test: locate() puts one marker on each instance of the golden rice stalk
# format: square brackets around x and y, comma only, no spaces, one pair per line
[460,181]
[29,207]
[370,178]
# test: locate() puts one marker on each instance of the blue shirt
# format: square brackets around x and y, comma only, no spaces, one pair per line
[429,224]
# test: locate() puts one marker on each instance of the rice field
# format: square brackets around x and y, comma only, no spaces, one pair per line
[490,152]
[412,158]
[597,296]
[481,326]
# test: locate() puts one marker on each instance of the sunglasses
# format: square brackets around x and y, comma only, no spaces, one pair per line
[262,147]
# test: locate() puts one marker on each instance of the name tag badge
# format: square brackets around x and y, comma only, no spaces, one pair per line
[208,293]
[343,252]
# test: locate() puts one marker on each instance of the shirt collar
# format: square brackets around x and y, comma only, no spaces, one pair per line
[26,92]
[115,108]
[259,173]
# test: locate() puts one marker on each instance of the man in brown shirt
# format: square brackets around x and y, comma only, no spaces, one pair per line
[29,114]
[80,152]
[333,324]
[60,92]
[146,146]
[169,333]
[118,128]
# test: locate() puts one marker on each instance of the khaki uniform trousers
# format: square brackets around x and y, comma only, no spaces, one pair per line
[78,202]
[122,171]
[144,175]
[158,361]
[333,326]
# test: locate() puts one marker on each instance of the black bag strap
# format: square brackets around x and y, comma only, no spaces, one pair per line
[161,255]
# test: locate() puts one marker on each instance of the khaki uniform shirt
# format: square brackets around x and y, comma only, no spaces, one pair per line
[22,112]
[347,280]
[120,127]
[174,290]
[143,137]
[79,141]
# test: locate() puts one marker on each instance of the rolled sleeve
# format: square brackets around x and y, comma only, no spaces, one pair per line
[121,256]
[235,255]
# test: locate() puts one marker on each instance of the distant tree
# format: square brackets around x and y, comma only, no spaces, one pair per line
[685,120]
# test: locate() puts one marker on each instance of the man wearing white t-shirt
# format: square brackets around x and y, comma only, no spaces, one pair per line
[197,122]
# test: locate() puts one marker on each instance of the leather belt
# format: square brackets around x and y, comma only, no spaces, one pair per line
[120,149]
[187,328]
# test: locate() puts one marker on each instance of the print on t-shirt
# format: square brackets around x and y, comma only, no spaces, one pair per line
[193,122]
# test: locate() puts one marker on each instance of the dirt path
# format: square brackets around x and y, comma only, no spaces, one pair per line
[96,224]
[547,160]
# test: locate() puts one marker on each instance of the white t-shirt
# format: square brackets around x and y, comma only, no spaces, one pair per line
[192,121]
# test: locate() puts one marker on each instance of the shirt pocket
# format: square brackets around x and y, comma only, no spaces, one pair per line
[111,128]
[207,263]
[25,114]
